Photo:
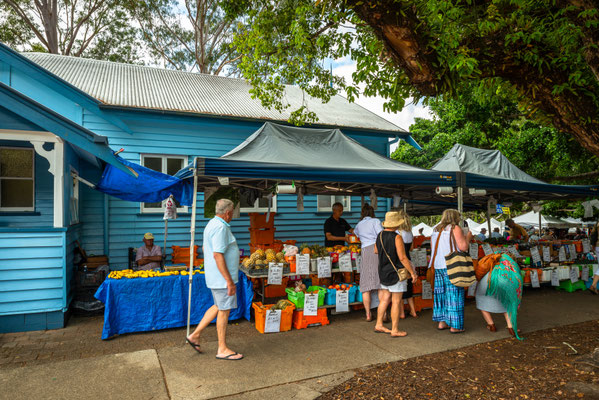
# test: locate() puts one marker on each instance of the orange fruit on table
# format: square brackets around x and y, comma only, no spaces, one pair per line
[331,287]
[337,287]
[343,287]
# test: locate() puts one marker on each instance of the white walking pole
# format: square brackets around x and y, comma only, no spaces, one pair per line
[192,242]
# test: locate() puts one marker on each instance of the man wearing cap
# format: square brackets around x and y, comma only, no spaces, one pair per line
[148,256]
[482,235]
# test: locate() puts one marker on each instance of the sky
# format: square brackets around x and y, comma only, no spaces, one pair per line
[403,119]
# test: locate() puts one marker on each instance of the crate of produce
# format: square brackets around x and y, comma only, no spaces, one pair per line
[316,281]
[353,293]
[300,321]
[568,286]
[286,315]
[276,290]
[330,299]
[297,298]
[422,304]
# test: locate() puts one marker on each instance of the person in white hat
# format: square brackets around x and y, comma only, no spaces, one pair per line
[148,256]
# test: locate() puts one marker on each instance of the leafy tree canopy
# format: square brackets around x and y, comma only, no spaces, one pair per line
[98,29]
[544,53]
[542,152]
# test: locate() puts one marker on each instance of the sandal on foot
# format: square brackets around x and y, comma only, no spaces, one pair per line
[458,331]
[511,331]
[491,327]
[195,346]
[228,358]
[377,331]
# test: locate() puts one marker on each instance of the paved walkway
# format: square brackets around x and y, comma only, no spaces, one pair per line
[74,362]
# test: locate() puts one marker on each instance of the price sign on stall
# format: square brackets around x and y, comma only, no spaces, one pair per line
[585,273]
[311,304]
[359,263]
[342,301]
[595,268]
[427,290]
[574,272]
[534,279]
[324,267]
[586,246]
[546,254]
[345,262]
[562,254]
[275,273]
[302,264]
[554,278]
[512,249]
[272,323]
[472,289]
[474,251]
[536,256]
[487,249]
[572,248]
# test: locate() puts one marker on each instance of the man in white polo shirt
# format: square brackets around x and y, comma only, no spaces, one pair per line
[221,266]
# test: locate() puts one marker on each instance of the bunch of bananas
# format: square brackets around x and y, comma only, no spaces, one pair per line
[130,274]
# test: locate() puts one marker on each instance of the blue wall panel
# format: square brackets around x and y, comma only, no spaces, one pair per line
[31,271]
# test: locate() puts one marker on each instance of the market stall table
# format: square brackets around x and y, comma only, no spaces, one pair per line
[148,304]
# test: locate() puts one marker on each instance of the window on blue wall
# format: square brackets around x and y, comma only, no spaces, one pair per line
[17,178]
[259,205]
[166,164]
[324,203]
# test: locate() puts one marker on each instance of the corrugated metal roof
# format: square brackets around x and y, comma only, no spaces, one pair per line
[128,85]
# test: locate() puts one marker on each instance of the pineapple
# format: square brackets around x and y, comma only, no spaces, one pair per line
[270,257]
[280,256]
[260,253]
[246,262]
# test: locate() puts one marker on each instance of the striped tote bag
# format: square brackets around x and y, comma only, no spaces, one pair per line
[460,268]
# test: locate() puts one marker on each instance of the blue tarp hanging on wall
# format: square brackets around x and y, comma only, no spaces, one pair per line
[149,187]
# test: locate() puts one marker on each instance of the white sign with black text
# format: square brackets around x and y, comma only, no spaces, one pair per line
[554,278]
[534,279]
[427,290]
[585,273]
[345,262]
[272,323]
[302,264]
[474,251]
[546,254]
[275,273]
[311,304]
[574,273]
[536,256]
[324,267]
[487,249]
[342,301]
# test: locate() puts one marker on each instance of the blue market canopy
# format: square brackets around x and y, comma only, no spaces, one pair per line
[321,161]
[492,171]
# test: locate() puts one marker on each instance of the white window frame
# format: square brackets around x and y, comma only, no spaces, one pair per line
[74,196]
[328,209]
[21,209]
[154,210]
[257,209]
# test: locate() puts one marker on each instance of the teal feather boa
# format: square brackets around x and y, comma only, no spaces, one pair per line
[505,284]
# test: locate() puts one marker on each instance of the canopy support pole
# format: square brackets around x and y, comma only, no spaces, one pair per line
[540,223]
[489,221]
[461,180]
[192,241]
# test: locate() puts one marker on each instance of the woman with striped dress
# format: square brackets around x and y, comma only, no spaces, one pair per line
[448,305]
[367,231]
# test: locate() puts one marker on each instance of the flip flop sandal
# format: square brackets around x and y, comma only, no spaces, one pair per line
[442,329]
[195,346]
[399,336]
[377,331]
[456,332]
[228,358]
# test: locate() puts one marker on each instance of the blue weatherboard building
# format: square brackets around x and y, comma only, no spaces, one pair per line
[61,119]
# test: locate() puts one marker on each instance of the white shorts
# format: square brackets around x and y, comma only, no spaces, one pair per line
[399,287]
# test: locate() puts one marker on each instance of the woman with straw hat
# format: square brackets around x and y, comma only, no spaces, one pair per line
[448,305]
[405,230]
[392,259]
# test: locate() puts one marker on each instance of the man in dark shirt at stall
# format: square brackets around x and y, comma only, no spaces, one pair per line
[335,228]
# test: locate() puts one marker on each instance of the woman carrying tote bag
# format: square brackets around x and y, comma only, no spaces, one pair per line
[448,306]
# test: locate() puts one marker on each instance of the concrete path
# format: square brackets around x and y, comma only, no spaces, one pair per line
[297,364]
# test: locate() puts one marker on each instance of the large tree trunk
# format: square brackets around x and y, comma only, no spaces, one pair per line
[49,14]
[577,115]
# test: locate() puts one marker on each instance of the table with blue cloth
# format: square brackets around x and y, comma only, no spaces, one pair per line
[149,304]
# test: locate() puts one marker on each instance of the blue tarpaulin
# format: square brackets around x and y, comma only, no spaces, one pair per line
[149,187]
[149,304]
